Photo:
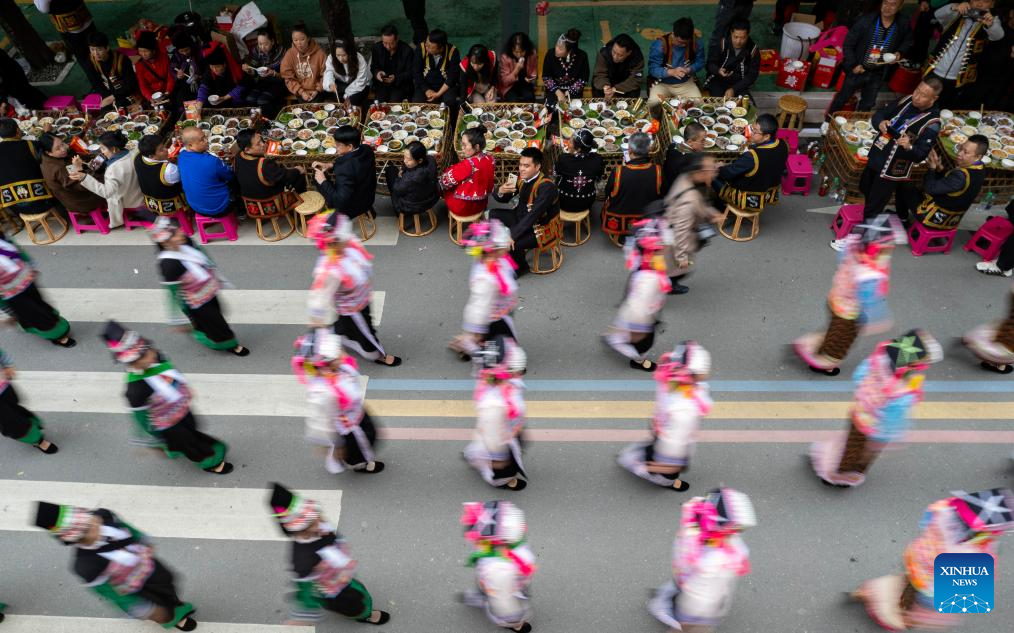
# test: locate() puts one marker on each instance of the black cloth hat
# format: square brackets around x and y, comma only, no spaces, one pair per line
[183,40]
[147,40]
[46,515]
[215,57]
[98,39]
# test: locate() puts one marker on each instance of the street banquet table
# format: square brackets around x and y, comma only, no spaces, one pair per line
[727,123]
[510,128]
[389,128]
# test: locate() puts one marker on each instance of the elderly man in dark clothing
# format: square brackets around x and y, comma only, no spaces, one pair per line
[631,188]
[619,69]
[354,181]
[873,36]
[391,67]
[734,63]
[537,204]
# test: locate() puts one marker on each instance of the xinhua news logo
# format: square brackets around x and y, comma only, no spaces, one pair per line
[963,583]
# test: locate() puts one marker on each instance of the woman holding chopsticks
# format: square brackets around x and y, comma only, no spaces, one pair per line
[347,75]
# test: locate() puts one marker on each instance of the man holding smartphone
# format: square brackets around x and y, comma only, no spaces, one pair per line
[538,202]
[391,67]
[908,130]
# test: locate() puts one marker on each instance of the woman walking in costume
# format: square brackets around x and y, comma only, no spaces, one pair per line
[681,399]
[492,288]
[341,283]
[159,398]
[708,557]
[504,564]
[117,561]
[194,282]
[17,422]
[858,297]
[21,301]
[633,331]
[888,385]
[500,415]
[321,564]
[962,524]
[338,422]
[993,343]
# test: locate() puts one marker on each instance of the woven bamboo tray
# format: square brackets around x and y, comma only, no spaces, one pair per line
[670,128]
[387,157]
[999,179]
[506,163]
[292,160]
[95,126]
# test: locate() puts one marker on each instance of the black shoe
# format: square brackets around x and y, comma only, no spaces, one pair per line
[679,289]
[644,365]
[242,351]
[1000,369]
[393,363]
[521,272]
[464,357]
[683,488]
[2,617]
[228,468]
[525,628]
[69,343]
[384,617]
[377,468]
[187,624]
[48,451]
[834,371]
[520,485]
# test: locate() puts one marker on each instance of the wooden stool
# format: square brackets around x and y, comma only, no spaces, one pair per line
[418,224]
[10,223]
[456,225]
[791,111]
[367,224]
[274,210]
[549,239]
[43,220]
[312,204]
[753,216]
[578,219]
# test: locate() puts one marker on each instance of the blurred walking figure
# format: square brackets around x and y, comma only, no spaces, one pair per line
[858,297]
[993,343]
[338,422]
[500,415]
[965,523]
[633,330]
[117,561]
[504,564]
[17,422]
[681,399]
[690,218]
[888,385]
[708,557]
[21,301]
[321,563]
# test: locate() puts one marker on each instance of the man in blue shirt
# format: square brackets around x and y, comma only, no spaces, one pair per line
[206,179]
[673,60]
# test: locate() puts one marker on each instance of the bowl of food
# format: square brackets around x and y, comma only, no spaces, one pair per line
[998,154]
[298,145]
[724,119]
[737,139]
[1008,163]
[529,132]
[707,121]
[852,138]
[740,124]
[694,113]
[709,143]
[395,145]
[720,128]
[957,138]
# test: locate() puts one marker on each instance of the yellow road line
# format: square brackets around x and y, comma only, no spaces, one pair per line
[606,33]
[617,409]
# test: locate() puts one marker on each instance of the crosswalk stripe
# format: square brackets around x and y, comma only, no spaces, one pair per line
[150,305]
[56,624]
[263,395]
[239,514]
[386,235]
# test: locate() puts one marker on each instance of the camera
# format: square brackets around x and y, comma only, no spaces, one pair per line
[975,14]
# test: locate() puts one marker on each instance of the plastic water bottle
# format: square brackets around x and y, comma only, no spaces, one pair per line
[836,193]
[987,201]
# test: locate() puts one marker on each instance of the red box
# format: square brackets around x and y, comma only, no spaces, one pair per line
[768,60]
[794,79]
[827,63]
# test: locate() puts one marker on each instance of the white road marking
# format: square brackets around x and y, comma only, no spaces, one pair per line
[149,305]
[261,395]
[237,514]
[55,624]
[386,235]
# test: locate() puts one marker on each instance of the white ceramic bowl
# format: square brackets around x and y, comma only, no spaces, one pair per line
[890,57]
[263,70]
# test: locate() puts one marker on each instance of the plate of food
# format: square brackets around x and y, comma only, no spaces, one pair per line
[957,138]
[738,112]
[295,123]
[707,121]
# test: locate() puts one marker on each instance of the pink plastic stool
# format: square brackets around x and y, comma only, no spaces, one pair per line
[91,102]
[183,219]
[99,221]
[61,102]
[924,240]
[230,227]
[791,138]
[990,237]
[130,221]
[799,172]
[848,216]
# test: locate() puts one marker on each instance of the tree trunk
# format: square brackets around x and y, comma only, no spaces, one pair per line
[338,19]
[25,38]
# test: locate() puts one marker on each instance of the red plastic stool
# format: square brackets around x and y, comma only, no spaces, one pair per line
[91,102]
[60,102]
[848,216]
[230,227]
[791,138]
[183,219]
[131,222]
[799,172]
[99,221]
[990,237]
[925,240]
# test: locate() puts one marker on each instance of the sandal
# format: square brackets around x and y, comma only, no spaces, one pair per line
[644,365]
[226,469]
[49,450]
[67,343]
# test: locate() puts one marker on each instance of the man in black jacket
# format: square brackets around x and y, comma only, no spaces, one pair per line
[391,67]
[873,36]
[679,155]
[729,11]
[437,71]
[354,184]
[733,63]
[537,204]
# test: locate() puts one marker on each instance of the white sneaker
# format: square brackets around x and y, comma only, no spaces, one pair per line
[838,245]
[990,268]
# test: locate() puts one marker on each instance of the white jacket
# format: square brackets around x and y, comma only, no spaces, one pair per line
[119,187]
[486,302]
[644,300]
[355,86]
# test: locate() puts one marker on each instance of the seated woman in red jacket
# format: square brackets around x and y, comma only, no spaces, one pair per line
[468,184]
[152,67]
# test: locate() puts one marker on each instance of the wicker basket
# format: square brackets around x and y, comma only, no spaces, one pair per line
[506,163]
[385,158]
[91,133]
[291,160]
[670,129]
